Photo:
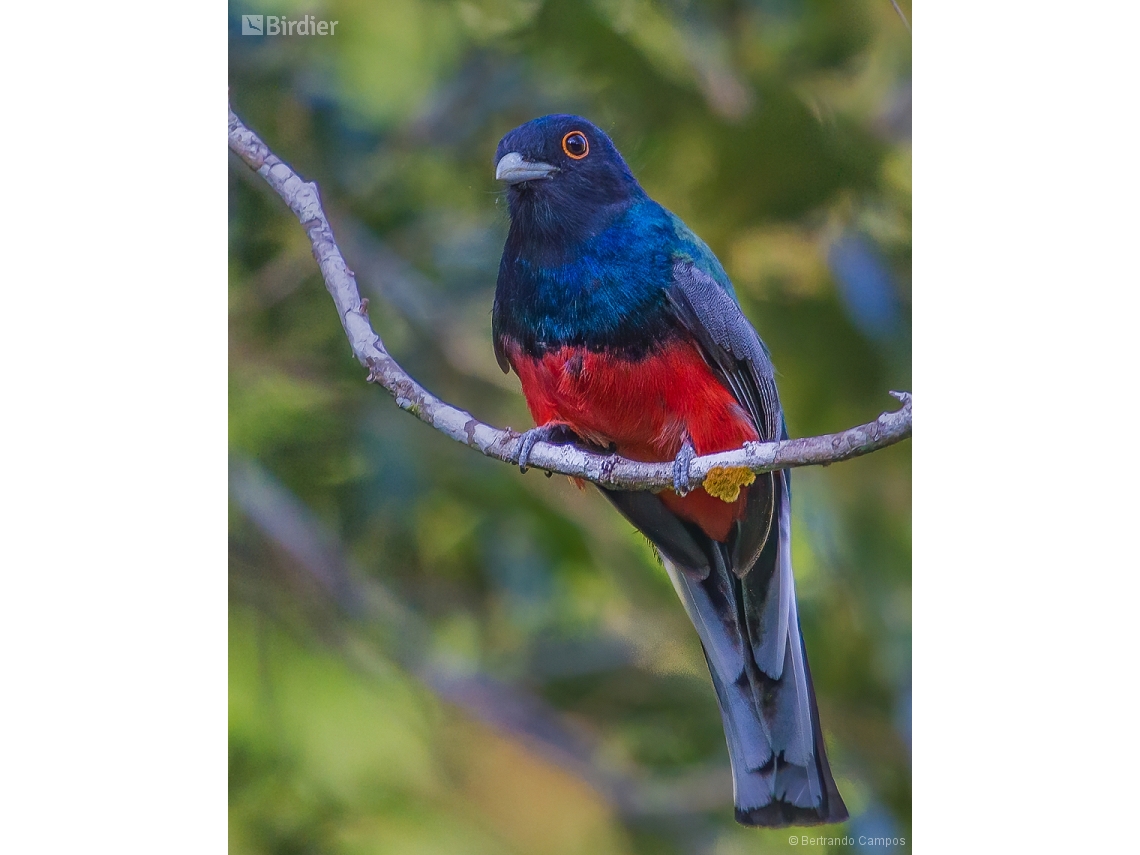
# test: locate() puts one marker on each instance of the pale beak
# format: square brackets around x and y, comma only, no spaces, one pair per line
[514,170]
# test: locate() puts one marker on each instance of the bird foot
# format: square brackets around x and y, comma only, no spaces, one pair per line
[681,482]
[553,433]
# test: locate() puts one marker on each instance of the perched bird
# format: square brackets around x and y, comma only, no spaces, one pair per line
[625,333]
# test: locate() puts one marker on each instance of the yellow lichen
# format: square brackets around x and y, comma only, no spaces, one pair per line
[725,482]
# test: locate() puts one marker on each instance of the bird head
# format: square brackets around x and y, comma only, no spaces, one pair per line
[564,177]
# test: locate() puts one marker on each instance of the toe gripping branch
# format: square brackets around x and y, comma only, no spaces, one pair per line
[681,482]
[556,434]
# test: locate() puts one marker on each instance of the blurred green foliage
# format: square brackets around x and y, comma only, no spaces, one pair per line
[431,653]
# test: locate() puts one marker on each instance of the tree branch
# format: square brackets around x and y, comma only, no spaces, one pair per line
[610,471]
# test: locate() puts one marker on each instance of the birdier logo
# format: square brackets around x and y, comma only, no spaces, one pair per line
[280,25]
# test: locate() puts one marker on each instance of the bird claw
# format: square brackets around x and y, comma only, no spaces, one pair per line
[545,433]
[681,482]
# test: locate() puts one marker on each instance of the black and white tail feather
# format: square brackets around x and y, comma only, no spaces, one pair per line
[746,618]
[750,632]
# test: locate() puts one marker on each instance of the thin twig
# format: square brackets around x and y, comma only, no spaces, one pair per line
[610,471]
[898,9]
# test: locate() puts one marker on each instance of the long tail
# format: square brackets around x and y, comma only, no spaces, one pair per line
[751,636]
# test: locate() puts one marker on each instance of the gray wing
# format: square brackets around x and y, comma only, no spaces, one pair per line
[733,349]
[714,319]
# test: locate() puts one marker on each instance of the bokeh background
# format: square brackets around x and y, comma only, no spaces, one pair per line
[431,653]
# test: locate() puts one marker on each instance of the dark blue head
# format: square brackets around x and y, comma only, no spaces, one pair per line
[565,180]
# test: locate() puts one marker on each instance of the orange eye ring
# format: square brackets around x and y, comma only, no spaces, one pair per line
[575,145]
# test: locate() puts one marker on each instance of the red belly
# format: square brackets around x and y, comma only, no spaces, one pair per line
[644,408]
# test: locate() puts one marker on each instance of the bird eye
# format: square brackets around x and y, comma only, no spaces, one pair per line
[575,145]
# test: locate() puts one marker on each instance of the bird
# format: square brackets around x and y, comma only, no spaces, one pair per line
[626,335]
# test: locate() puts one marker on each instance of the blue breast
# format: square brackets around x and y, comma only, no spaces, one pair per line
[605,292]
